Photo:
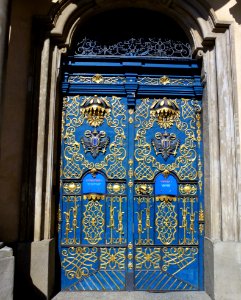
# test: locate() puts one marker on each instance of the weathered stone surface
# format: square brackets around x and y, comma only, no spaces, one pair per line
[223,270]
[131,296]
[6,273]
[42,266]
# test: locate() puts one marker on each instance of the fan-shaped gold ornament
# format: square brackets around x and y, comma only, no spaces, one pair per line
[166,111]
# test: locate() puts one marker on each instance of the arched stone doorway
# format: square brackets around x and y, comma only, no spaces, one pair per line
[209,38]
[131,204]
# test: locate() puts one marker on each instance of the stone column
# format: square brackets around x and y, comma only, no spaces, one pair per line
[3,42]
[6,272]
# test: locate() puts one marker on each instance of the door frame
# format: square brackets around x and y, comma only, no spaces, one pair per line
[213,40]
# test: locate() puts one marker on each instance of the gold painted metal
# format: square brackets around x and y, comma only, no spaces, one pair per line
[166,111]
[120,220]
[184,221]
[144,227]
[78,262]
[164,80]
[148,258]
[166,173]
[130,265]
[59,217]
[201,214]
[192,220]
[187,189]
[201,228]
[74,221]
[130,184]
[130,172]
[112,220]
[95,109]
[72,187]
[166,222]
[200,173]
[93,222]
[67,226]
[130,246]
[130,162]
[112,258]
[166,198]
[143,189]
[147,165]
[179,257]
[116,188]
[148,222]
[131,120]
[97,78]
[139,228]
[130,256]
[199,137]
[94,197]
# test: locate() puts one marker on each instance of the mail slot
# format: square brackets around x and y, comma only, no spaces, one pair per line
[165,185]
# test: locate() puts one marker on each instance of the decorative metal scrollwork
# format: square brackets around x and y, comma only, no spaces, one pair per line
[165,144]
[143,189]
[136,47]
[166,222]
[166,111]
[95,109]
[95,142]
[93,222]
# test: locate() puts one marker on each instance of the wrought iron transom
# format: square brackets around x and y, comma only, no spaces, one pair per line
[135,47]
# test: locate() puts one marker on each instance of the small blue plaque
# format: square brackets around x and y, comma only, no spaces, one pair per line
[166,185]
[95,184]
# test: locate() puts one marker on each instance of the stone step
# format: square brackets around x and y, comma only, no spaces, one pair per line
[131,296]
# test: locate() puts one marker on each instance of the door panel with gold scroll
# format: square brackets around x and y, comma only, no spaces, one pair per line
[131,184]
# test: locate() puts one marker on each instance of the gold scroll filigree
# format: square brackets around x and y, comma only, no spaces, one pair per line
[188,189]
[79,262]
[166,222]
[93,222]
[148,258]
[116,188]
[179,257]
[96,79]
[74,161]
[147,165]
[165,80]
[72,187]
[112,258]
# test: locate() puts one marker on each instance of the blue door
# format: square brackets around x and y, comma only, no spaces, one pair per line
[131,185]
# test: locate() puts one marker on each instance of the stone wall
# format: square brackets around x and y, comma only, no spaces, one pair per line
[28,123]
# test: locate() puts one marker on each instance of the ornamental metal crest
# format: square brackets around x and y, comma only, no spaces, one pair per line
[165,144]
[95,142]
[136,47]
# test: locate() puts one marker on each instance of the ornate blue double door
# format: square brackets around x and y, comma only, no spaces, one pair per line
[131,183]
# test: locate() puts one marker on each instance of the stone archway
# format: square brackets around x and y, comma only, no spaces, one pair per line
[210,39]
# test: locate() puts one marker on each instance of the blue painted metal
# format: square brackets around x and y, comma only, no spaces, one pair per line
[166,185]
[136,237]
[94,184]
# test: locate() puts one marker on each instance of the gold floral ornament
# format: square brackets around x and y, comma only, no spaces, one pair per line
[95,109]
[166,111]
[97,78]
[164,80]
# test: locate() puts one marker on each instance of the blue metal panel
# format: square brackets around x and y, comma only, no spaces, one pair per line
[131,197]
